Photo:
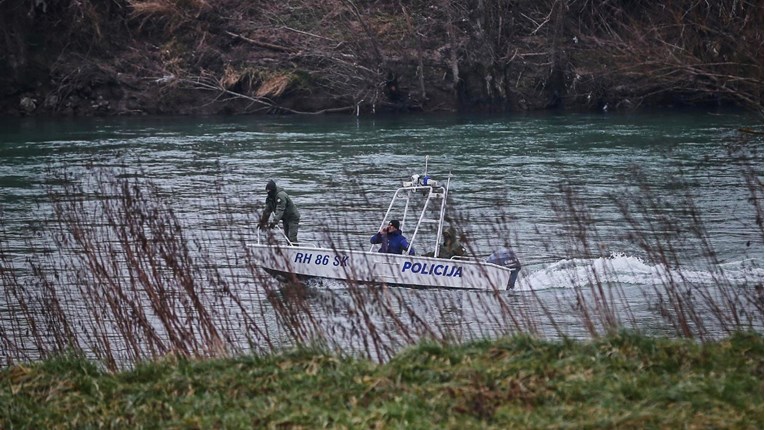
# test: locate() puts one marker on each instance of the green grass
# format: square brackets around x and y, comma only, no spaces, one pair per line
[625,381]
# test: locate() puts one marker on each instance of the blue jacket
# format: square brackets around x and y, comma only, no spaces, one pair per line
[392,243]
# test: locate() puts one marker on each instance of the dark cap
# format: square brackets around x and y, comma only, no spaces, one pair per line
[396,223]
[271,185]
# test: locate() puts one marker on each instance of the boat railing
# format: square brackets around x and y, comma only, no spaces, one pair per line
[434,191]
[262,231]
[462,257]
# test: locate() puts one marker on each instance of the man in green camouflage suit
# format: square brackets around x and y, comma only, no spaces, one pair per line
[280,204]
[451,246]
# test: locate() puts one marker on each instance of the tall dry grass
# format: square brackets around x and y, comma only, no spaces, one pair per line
[125,280]
[168,15]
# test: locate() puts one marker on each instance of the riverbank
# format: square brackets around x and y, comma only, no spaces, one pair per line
[193,57]
[624,381]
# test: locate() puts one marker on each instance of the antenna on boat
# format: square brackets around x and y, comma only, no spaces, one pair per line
[427,157]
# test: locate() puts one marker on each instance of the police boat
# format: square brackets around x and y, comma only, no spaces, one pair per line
[413,204]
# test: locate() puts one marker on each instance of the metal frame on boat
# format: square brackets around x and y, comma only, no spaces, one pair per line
[421,197]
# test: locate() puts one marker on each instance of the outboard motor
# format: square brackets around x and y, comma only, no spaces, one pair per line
[506,257]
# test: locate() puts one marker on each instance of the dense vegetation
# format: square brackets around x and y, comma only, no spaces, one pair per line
[624,381]
[91,57]
[117,274]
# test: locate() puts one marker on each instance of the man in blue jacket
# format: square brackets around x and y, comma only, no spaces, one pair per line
[393,242]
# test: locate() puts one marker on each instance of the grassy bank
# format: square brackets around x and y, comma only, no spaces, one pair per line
[623,381]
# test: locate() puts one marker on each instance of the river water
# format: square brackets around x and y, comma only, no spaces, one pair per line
[576,196]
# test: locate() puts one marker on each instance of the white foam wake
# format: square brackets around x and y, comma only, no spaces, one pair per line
[625,270]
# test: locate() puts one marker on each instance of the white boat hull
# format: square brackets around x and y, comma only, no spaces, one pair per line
[374,267]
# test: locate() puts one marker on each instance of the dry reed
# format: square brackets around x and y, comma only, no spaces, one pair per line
[128,282]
